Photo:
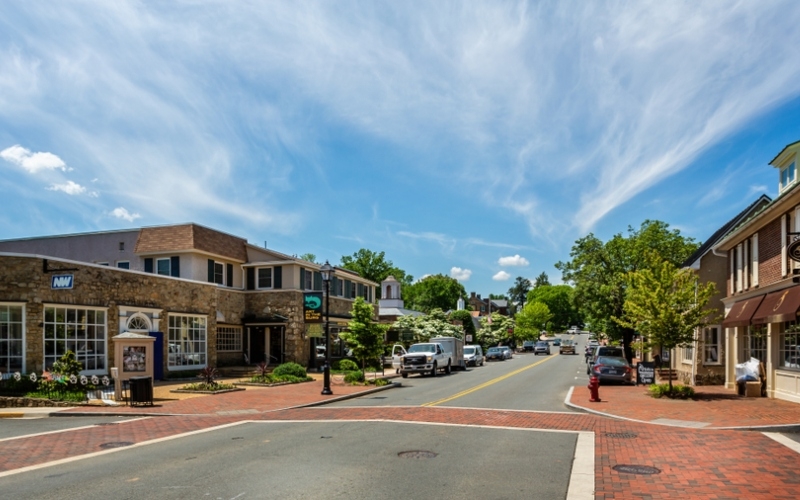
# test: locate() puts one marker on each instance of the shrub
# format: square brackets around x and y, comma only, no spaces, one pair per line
[208,374]
[348,365]
[678,391]
[67,365]
[292,369]
[202,386]
[378,382]
[354,377]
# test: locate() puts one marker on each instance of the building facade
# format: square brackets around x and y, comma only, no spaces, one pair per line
[209,298]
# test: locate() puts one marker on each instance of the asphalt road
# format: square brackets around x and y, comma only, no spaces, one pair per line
[524,382]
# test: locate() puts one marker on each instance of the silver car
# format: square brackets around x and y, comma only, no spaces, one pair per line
[473,355]
[507,352]
[541,348]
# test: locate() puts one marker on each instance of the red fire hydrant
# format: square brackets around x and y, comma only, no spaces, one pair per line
[594,389]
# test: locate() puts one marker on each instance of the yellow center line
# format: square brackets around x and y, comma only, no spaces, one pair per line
[486,384]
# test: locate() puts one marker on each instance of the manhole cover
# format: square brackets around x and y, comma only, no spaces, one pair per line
[115,444]
[621,435]
[636,469]
[417,454]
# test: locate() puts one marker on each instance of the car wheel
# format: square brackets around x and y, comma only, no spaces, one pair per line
[404,375]
[433,371]
[448,369]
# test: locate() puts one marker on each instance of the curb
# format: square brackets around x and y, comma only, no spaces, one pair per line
[344,397]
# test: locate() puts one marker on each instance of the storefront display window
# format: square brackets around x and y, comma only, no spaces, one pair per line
[756,343]
[12,329]
[187,341]
[789,348]
[81,330]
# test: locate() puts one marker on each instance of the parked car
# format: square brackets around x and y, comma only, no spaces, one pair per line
[541,348]
[556,342]
[527,345]
[495,353]
[612,369]
[507,351]
[573,330]
[602,351]
[473,355]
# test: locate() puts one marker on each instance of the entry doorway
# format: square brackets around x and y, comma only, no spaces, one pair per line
[264,339]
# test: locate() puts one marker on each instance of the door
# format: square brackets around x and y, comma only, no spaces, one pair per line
[276,345]
[158,355]
[257,345]
[397,351]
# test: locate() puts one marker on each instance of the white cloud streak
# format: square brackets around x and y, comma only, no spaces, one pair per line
[69,187]
[514,260]
[460,274]
[32,162]
[122,213]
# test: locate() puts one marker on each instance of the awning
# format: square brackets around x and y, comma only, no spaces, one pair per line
[778,306]
[741,312]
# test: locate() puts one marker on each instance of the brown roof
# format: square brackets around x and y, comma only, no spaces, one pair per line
[190,237]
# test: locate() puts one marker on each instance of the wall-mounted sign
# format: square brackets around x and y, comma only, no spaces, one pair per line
[61,282]
[312,307]
[794,250]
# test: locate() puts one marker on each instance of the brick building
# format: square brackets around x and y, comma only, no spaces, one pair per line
[208,297]
[762,298]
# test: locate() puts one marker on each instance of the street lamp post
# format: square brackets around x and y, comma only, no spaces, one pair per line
[327,272]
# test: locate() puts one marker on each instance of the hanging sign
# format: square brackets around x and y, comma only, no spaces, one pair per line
[312,307]
[794,250]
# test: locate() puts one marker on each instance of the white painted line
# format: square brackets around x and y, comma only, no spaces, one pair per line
[113,450]
[789,443]
[581,479]
[569,395]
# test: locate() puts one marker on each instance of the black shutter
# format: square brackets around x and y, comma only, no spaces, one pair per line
[360,292]
[251,278]
[175,266]
[317,281]
[277,277]
[210,270]
[302,279]
[229,269]
[348,285]
[148,265]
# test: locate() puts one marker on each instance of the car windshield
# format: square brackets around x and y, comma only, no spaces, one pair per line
[566,342]
[494,349]
[422,348]
[541,344]
[469,350]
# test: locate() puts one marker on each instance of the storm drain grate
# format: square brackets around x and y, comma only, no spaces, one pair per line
[621,435]
[417,454]
[636,469]
[115,444]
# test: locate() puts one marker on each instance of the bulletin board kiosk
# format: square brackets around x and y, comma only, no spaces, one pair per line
[133,360]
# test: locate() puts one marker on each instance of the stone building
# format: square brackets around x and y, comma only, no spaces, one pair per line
[208,297]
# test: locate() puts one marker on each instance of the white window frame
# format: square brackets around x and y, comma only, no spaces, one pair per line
[183,352]
[61,320]
[789,348]
[754,257]
[6,326]
[709,346]
[140,318]
[308,277]
[229,338]
[126,262]
[784,256]
[739,267]
[271,278]
[785,180]
[732,259]
[169,266]
[221,273]
[687,355]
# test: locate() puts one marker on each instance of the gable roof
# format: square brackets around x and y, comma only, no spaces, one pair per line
[190,237]
[720,233]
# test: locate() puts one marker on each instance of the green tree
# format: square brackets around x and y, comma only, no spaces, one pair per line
[374,267]
[466,323]
[560,302]
[530,321]
[364,336]
[600,272]
[666,305]
[309,257]
[541,280]
[500,330]
[519,292]
[422,328]
[431,292]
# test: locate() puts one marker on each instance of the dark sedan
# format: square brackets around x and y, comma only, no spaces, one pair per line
[495,353]
[612,369]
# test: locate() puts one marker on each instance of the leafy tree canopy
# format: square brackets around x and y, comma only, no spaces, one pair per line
[560,302]
[496,332]
[364,336]
[466,322]
[422,328]
[541,280]
[600,271]
[309,257]
[530,321]
[432,292]
[518,293]
[374,267]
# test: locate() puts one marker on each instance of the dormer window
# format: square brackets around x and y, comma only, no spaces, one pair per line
[788,176]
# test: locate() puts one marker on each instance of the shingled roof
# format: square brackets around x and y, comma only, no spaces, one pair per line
[190,237]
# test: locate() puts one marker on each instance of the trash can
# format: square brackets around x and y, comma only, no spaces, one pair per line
[140,391]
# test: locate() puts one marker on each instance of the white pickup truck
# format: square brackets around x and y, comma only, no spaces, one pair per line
[426,358]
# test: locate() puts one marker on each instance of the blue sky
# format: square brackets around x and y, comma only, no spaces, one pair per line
[473,139]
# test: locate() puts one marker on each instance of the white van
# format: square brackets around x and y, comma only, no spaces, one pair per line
[473,355]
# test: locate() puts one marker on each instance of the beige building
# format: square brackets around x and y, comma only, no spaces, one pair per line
[209,298]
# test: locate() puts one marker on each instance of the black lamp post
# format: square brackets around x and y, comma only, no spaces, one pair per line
[327,272]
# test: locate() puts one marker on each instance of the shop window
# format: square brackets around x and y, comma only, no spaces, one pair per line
[12,335]
[789,348]
[755,343]
[186,341]
[229,338]
[77,329]
[711,345]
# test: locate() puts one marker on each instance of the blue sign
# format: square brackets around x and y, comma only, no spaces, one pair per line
[61,282]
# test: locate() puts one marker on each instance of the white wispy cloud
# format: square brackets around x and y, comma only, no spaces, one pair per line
[68,187]
[514,260]
[122,213]
[32,162]
[460,274]
[501,276]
